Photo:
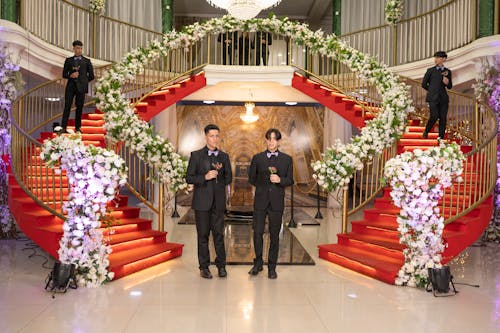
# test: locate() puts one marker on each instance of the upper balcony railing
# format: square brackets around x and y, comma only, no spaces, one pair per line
[447,27]
[59,22]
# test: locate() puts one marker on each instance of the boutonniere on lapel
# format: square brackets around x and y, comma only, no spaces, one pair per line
[217,166]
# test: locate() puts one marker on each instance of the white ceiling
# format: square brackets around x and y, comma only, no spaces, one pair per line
[313,11]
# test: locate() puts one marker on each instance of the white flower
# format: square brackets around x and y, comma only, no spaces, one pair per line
[419,222]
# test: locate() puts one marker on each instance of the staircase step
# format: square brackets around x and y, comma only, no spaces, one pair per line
[136,240]
[375,244]
[383,228]
[130,261]
[418,135]
[417,142]
[135,235]
[93,116]
[410,129]
[366,262]
[127,224]
[125,212]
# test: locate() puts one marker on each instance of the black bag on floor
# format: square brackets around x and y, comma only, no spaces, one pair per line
[440,280]
[61,278]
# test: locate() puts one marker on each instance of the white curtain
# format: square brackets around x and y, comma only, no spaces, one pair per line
[365,14]
[335,128]
[143,13]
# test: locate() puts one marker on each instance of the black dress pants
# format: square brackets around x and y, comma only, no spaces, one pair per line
[438,111]
[206,221]
[71,93]
[259,222]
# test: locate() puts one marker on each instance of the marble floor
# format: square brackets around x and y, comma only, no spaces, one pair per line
[171,297]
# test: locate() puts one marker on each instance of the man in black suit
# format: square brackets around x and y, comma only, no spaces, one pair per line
[436,80]
[261,44]
[209,169]
[79,72]
[270,172]
[227,40]
[244,49]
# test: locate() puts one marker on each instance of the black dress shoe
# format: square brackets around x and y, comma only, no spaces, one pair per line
[205,273]
[222,272]
[424,135]
[255,270]
[272,274]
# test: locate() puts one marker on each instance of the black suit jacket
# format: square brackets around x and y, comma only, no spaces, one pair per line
[433,83]
[258,42]
[266,192]
[206,191]
[231,36]
[85,70]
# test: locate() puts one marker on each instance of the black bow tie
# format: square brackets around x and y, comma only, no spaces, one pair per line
[78,58]
[213,152]
[440,68]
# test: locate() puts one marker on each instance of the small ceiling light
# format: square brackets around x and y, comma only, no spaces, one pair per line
[52,99]
[209,102]
[291,103]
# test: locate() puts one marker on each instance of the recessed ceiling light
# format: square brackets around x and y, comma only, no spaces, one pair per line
[209,102]
[291,103]
[52,99]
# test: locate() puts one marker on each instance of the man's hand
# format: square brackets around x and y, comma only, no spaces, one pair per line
[275,178]
[212,174]
[74,75]
[445,80]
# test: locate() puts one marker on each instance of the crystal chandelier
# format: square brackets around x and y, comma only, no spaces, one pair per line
[249,117]
[244,9]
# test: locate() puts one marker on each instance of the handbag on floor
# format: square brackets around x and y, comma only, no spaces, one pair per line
[61,278]
[440,280]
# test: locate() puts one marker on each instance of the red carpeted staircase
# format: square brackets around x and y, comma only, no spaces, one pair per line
[135,245]
[372,247]
[168,95]
[356,113]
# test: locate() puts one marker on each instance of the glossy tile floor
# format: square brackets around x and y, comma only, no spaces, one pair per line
[171,297]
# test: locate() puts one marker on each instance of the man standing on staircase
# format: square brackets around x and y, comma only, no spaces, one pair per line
[79,72]
[270,172]
[209,170]
[436,80]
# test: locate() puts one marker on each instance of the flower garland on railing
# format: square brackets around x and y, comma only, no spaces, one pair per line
[487,89]
[97,6]
[393,11]
[9,85]
[339,162]
[94,176]
[418,181]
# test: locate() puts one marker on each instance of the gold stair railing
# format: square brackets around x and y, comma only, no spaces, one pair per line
[471,124]
[104,37]
[32,113]
[447,27]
